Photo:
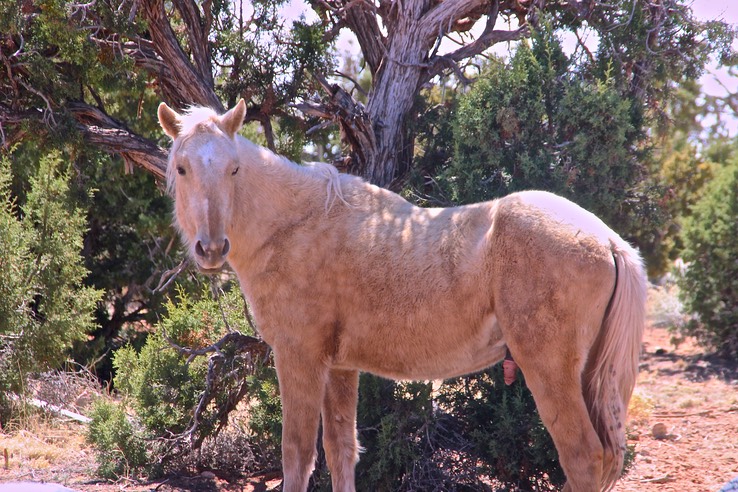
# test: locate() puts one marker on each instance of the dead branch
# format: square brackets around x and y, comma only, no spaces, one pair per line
[245,353]
[112,136]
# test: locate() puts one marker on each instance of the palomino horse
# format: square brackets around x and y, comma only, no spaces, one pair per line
[343,277]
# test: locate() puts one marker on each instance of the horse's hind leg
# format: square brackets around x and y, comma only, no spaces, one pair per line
[339,428]
[301,386]
[554,378]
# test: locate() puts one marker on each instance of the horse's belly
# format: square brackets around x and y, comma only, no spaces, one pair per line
[411,355]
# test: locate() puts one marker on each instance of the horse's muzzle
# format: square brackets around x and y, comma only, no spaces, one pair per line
[210,256]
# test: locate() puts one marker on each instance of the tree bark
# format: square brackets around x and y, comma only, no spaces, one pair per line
[402,59]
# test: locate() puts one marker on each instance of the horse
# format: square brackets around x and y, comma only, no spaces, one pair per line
[343,276]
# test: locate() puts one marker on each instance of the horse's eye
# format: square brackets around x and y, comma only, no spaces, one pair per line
[234,172]
[181,171]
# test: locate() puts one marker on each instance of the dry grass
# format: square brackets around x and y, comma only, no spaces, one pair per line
[38,445]
[46,449]
[640,408]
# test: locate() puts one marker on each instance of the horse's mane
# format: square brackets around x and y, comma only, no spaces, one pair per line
[333,188]
[197,116]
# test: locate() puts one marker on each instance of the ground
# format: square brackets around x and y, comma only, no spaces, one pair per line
[683,424]
[683,420]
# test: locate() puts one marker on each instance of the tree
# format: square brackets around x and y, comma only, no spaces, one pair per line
[536,123]
[196,56]
[89,75]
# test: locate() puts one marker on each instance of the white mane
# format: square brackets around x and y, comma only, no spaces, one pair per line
[333,187]
[195,115]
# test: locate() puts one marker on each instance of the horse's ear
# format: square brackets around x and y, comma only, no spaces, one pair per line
[169,120]
[231,121]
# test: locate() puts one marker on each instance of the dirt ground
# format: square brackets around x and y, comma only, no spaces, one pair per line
[683,419]
[683,423]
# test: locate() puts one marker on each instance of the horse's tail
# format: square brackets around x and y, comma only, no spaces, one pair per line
[612,367]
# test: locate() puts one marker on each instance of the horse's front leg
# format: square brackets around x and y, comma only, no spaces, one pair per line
[302,382]
[339,428]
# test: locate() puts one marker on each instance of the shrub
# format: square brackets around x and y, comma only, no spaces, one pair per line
[120,449]
[189,376]
[505,432]
[44,304]
[709,286]
[539,123]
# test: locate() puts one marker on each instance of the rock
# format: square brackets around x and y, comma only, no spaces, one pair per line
[34,487]
[660,431]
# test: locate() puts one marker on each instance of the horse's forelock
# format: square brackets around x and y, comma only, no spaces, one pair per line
[195,116]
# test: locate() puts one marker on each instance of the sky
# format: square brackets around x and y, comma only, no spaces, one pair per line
[726,10]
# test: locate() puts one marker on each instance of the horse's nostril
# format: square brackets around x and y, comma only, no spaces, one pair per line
[199,250]
[226,247]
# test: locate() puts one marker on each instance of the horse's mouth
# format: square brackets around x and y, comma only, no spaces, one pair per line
[210,270]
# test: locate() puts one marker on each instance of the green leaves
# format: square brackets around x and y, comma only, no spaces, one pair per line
[709,286]
[538,122]
[44,304]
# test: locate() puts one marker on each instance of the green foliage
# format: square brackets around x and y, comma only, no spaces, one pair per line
[181,399]
[44,305]
[683,173]
[162,386]
[120,448]
[455,437]
[391,419]
[505,432]
[709,286]
[537,124]
[126,251]
[163,389]
[265,418]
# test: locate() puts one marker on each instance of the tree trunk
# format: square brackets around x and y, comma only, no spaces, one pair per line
[401,61]
[393,93]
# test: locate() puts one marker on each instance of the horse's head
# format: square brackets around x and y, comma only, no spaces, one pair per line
[202,173]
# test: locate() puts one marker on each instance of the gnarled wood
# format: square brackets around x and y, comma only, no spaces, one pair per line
[402,58]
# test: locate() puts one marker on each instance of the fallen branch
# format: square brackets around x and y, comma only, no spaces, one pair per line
[703,413]
[52,408]
[230,361]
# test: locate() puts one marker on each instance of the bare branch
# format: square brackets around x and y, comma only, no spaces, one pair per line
[190,86]
[361,17]
[488,38]
[198,36]
[111,136]
[446,13]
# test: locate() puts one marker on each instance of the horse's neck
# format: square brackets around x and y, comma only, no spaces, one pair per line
[274,193]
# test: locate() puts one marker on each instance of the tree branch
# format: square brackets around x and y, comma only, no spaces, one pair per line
[445,14]
[360,16]
[489,37]
[111,136]
[352,119]
[190,86]
[197,32]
